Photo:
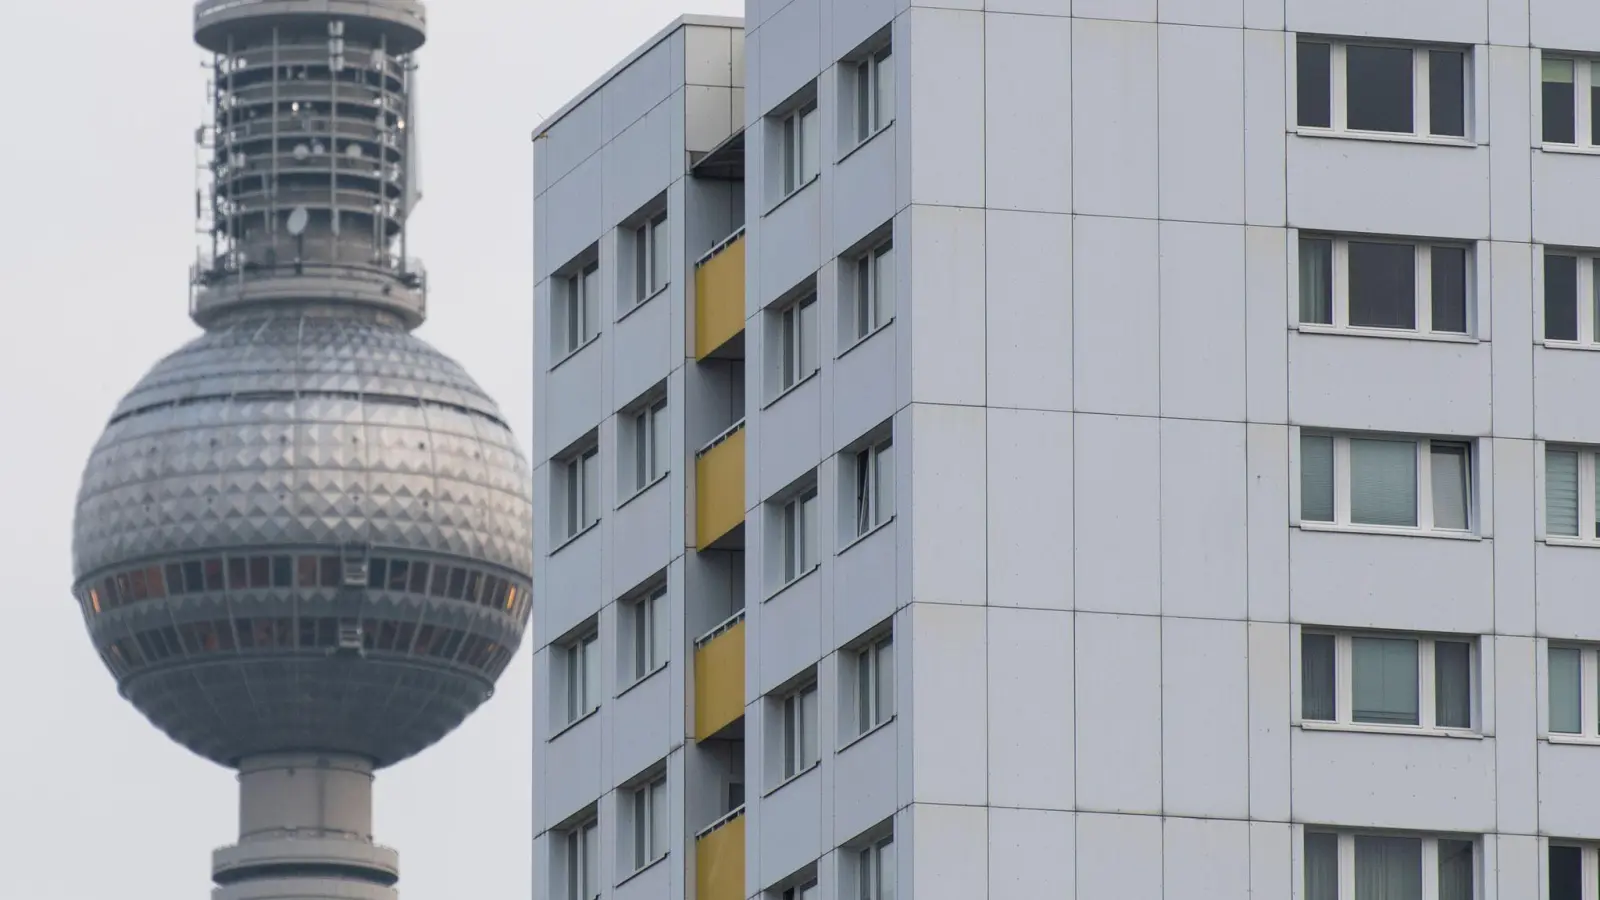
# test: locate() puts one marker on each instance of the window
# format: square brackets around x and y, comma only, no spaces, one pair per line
[647,633]
[1345,866]
[875,869]
[799,731]
[874,100]
[583,861]
[577,319]
[1571,89]
[651,265]
[579,491]
[650,832]
[651,443]
[1574,677]
[1573,871]
[581,659]
[1386,679]
[874,486]
[801,147]
[1392,285]
[1358,87]
[874,683]
[797,341]
[1571,297]
[807,891]
[1570,475]
[798,531]
[1386,482]
[870,290]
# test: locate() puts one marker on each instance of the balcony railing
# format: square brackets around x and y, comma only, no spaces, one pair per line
[719,678]
[719,486]
[719,859]
[719,295]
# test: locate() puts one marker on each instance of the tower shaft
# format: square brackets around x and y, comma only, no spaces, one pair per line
[305,833]
[308,167]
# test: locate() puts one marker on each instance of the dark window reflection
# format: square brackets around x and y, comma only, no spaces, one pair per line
[1449,289]
[419,577]
[1560,297]
[1379,89]
[1383,285]
[398,569]
[283,571]
[1447,101]
[1314,84]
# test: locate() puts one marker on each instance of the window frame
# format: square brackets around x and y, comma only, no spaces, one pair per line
[1588,694]
[580,658]
[1429,861]
[873,506]
[871,301]
[1342,520]
[799,732]
[1585,92]
[1588,471]
[1421,94]
[796,343]
[873,674]
[869,116]
[580,478]
[870,870]
[1427,683]
[582,860]
[650,807]
[650,256]
[1586,300]
[799,534]
[800,137]
[1422,275]
[648,447]
[647,645]
[580,302]
[1589,859]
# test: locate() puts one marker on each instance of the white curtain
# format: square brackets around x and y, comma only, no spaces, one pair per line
[1388,868]
[1452,665]
[1455,870]
[1316,281]
[1566,690]
[1316,677]
[1322,866]
[1449,477]
[1383,680]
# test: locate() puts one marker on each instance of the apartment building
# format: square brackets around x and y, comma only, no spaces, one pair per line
[1106,449]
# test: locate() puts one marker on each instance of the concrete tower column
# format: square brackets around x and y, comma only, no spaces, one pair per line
[305,833]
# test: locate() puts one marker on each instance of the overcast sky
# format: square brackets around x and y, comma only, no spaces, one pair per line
[102,98]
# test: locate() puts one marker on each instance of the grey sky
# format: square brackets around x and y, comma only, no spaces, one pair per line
[102,99]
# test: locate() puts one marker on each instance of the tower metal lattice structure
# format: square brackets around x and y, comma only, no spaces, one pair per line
[303,543]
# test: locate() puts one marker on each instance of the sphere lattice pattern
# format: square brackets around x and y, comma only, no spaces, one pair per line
[305,530]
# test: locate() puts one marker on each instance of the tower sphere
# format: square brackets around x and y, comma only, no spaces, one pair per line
[306,529]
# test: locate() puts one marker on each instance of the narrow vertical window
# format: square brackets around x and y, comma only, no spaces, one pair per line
[1565,872]
[1316,281]
[1566,690]
[1447,93]
[1314,87]
[1561,492]
[1560,106]
[1448,294]
[1322,866]
[1448,467]
[1317,677]
[1452,692]
[1316,478]
[1560,297]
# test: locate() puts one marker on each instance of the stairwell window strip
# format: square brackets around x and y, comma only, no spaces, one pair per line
[1571,297]
[1386,483]
[1368,88]
[1350,284]
[1569,98]
[1573,675]
[1382,866]
[1387,679]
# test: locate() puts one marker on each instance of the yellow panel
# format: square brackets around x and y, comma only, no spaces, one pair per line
[719,682]
[719,298]
[719,489]
[719,862]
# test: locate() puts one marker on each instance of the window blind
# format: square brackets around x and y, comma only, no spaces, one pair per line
[1561,492]
[1383,482]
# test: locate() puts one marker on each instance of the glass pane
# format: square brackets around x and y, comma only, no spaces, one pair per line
[863,466]
[1322,866]
[591,489]
[660,440]
[883,292]
[1560,107]
[883,111]
[808,337]
[808,725]
[641,836]
[1455,870]
[810,145]
[791,735]
[1450,490]
[1379,91]
[864,94]
[1316,281]
[791,541]
[1447,100]
[1383,285]
[1566,873]
[1566,690]
[1452,684]
[864,690]
[808,535]
[1316,478]
[658,819]
[641,450]
[1449,289]
[1383,482]
[886,871]
[591,674]
[1561,492]
[885,680]
[641,263]
[1383,680]
[642,662]
[591,861]
[591,303]
[1317,677]
[1314,89]
[791,342]
[1388,868]
[864,296]
[1560,297]
[791,155]
[885,483]
[1594,107]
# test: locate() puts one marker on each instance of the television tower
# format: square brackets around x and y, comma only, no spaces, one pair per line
[303,543]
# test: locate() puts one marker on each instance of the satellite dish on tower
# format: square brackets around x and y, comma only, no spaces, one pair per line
[299,218]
